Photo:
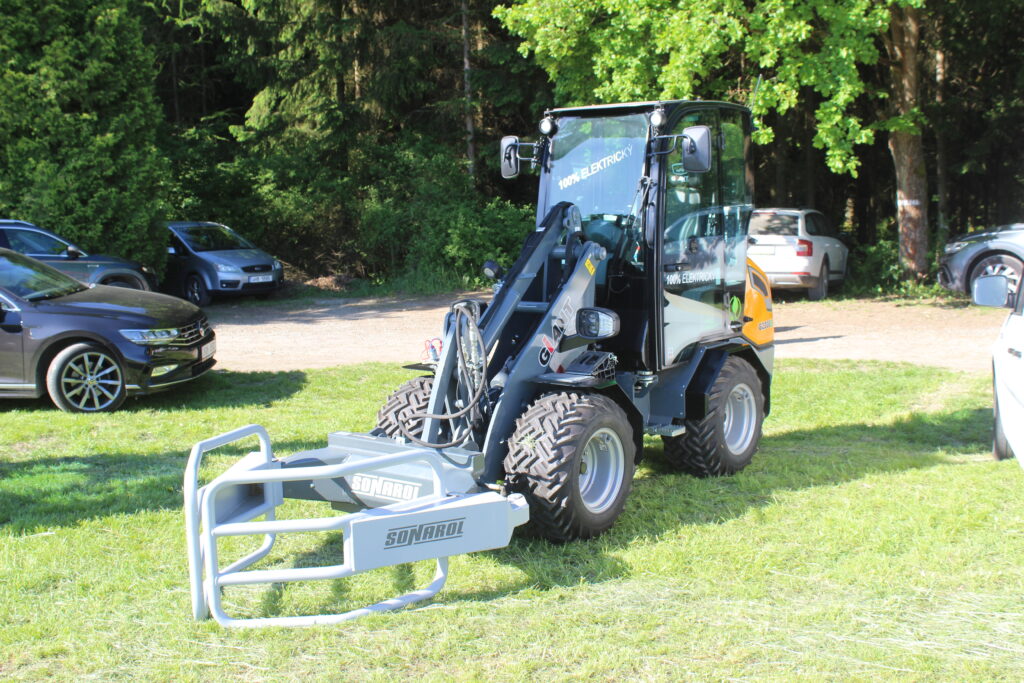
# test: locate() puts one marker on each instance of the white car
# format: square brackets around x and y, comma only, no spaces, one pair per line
[1007,367]
[797,249]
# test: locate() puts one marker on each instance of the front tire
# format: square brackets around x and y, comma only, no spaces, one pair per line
[572,456]
[86,378]
[410,398]
[723,441]
[195,291]
[998,264]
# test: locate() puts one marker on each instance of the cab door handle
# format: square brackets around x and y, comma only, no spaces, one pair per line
[1013,352]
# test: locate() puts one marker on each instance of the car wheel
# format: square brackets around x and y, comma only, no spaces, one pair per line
[1000,446]
[820,290]
[86,378]
[126,281]
[195,290]
[998,264]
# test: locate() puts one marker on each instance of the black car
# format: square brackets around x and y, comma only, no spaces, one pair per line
[90,346]
[72,260]
[996,251]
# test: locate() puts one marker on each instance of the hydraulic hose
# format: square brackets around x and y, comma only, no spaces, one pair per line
[462,314]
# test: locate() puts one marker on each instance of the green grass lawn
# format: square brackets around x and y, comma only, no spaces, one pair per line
[871,537]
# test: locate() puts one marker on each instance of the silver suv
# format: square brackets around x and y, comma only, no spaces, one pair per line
[209,259]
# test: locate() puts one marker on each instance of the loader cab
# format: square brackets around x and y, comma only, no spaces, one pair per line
[674,226]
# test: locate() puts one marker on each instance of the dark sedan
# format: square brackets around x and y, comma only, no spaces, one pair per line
[89,347]
[998,251]
[54,250]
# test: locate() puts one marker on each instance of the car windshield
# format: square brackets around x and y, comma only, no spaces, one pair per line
[596,164]
[34,281]
[213,238]
[765,223]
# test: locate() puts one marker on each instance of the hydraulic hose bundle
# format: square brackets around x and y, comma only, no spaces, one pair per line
[472,377]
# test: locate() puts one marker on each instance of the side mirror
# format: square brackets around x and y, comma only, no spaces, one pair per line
[172,251]
[991,290]
[74,252]
[592,324]
[696,145]
[509,156]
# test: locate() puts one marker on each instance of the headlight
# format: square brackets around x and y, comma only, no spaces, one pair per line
[277,265]
[954,247]
[225,268]
[150,337]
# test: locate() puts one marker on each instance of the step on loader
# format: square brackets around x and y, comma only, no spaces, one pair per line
[631,310]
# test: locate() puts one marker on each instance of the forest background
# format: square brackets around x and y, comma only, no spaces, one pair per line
[359,137]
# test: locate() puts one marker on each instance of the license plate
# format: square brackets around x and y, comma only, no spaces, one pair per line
[207,350]
[261,278]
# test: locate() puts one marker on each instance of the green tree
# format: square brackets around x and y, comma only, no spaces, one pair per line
[830,54]
[79,124]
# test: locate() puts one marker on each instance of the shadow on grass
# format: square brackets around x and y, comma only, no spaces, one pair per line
[52,492]
[216,389]
[663,501]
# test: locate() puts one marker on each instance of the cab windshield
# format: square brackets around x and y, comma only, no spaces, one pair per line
[596,163]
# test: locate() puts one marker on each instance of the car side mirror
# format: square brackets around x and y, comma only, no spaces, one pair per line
[172,251]
[74,252]
[509,156]
[696,144]
[991,290]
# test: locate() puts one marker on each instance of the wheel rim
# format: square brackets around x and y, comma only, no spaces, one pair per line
[91,381]
[740,418]
[601,470]
[996,267]
[195,292]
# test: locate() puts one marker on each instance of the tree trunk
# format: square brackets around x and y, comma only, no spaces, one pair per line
[466,71]
[905,141]
[941,172]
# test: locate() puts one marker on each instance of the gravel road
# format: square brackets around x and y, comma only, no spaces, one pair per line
[290,335]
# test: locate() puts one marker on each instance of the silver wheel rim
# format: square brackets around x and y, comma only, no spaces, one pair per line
[740,418]
[194,290]
[601,470]
[1006,270]
[91,381]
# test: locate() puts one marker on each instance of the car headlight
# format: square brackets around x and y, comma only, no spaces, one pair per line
[277,265]
[954,247]
[150,337]
[225,268]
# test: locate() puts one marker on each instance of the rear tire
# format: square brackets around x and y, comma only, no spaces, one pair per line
[128,282]
[410,398]
[572,456]
[820,290]
[725,440]
[1000,446]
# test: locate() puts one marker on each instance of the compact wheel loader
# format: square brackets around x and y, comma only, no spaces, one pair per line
[632,310]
